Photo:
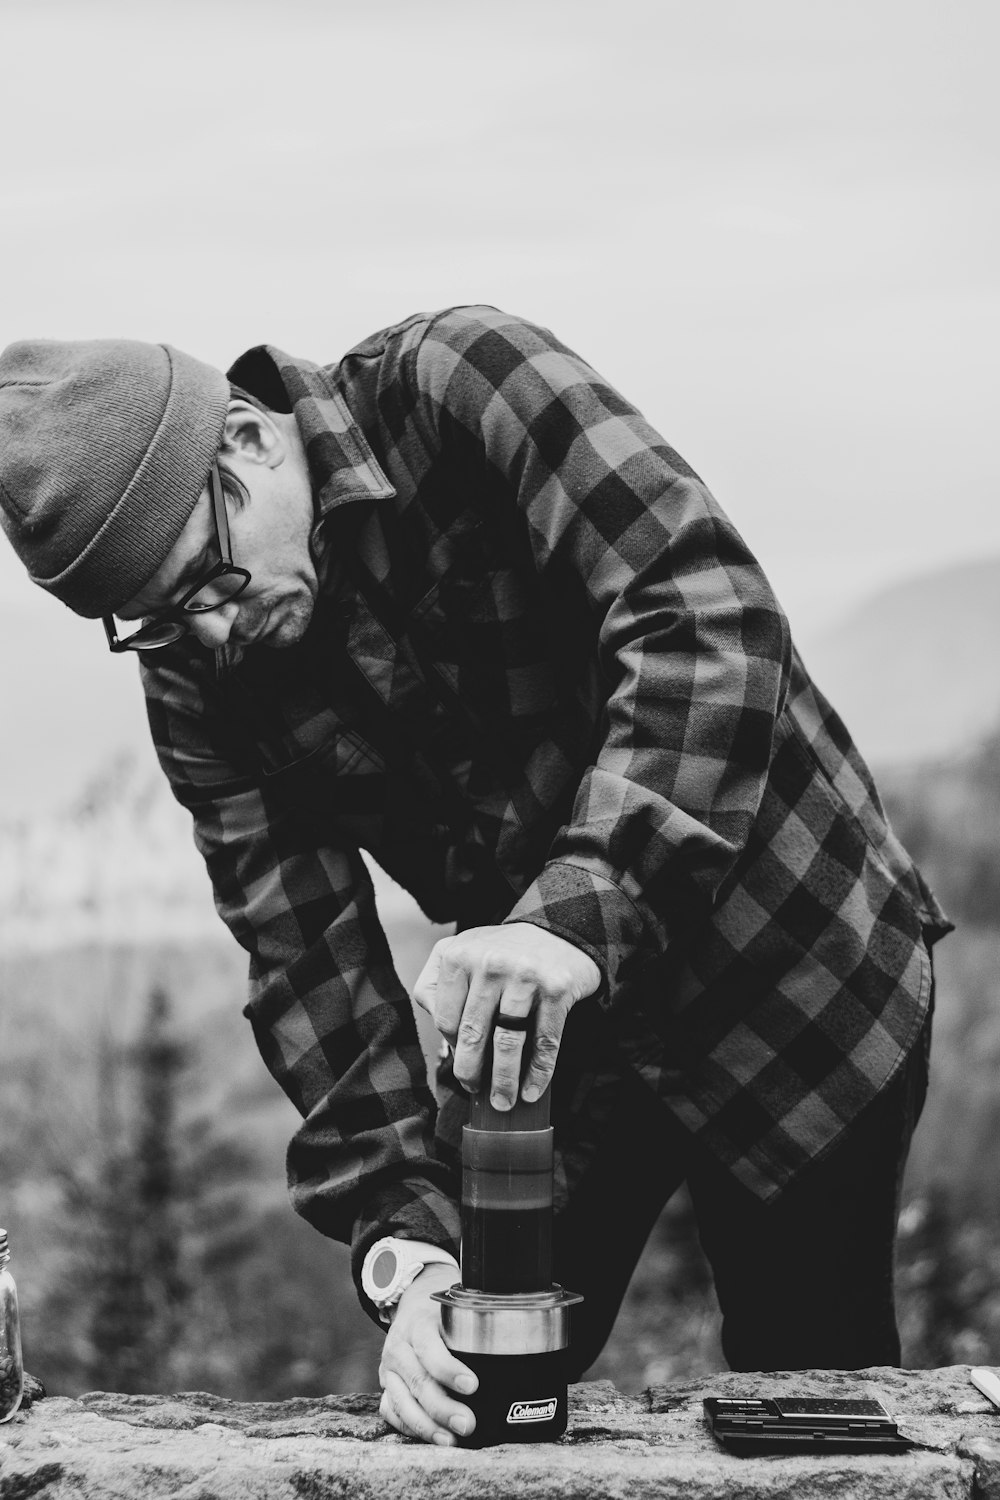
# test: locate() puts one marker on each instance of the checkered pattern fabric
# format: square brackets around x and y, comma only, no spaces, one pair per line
[547,682]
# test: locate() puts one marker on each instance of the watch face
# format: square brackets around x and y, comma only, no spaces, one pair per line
[383,1269]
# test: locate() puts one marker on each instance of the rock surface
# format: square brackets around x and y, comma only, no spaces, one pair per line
[195,1446]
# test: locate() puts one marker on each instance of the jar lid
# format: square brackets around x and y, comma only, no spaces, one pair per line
[3,1241]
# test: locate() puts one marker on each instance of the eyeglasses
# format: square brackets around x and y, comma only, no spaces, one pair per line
[222,583]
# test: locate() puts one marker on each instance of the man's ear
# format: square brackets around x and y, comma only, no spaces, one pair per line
[252,435]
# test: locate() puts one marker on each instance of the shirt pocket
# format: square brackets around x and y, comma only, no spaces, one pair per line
[319,743]
[339,754]
[295,730]
[327,779]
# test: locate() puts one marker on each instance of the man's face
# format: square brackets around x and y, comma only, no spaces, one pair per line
[269,536]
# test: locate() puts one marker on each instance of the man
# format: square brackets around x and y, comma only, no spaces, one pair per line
[454,602]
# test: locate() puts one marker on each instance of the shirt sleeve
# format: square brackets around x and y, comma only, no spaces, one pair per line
[331,1019]
[693,646]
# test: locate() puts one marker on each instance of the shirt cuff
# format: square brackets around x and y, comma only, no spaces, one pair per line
[592,913]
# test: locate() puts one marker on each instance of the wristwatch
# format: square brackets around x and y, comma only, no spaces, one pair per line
[391,1265]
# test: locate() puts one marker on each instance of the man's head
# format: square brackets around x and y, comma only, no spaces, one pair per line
[105,452]
[253,524]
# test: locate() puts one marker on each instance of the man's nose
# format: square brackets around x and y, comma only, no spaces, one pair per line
[212,628]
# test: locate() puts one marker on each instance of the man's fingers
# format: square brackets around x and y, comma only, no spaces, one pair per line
[442,988]
[508,1054]
[419,1403]
[400,1408]
[550,1024]
[489,992]
[430,1356]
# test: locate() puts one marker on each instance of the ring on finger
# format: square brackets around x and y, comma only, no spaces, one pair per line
[512,1023]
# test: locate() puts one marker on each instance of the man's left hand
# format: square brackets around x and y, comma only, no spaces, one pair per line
[474,979]
[418,1371]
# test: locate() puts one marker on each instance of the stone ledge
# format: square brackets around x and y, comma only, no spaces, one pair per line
[196,1446]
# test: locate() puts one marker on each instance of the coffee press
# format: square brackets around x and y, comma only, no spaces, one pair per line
[507,1320]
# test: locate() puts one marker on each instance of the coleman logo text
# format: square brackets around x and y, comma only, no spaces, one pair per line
[532,1411]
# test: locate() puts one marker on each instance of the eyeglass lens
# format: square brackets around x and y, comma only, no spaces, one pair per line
[216,591]
[153,634]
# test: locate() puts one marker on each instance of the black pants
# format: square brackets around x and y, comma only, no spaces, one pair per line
[803,1283]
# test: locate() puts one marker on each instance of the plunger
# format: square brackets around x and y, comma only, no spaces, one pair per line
[507,1320]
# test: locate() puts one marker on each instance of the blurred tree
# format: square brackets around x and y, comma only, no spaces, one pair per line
[930,1279]
[139,1292]
[948,1284]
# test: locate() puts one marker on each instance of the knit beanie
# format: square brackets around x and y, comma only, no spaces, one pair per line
[105,447]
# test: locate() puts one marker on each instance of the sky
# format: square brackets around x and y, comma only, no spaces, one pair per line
[773,225]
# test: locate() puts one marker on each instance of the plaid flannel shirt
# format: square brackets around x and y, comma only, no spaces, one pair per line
[546,681]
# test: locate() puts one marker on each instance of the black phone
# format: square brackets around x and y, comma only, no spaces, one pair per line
[803,1424]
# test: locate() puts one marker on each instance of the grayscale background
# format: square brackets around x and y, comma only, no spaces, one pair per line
[774,226]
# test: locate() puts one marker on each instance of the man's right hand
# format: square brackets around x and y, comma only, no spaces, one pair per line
[475,978]
[418,1370]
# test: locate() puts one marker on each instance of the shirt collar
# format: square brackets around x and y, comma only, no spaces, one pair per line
[342,466]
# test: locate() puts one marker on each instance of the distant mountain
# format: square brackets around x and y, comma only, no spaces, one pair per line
[118,866]
[915,671]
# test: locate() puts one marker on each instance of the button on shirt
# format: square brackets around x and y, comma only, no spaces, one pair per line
[546,681]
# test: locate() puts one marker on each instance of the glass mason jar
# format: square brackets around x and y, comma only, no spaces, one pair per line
[11,1364]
